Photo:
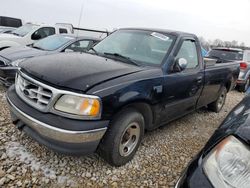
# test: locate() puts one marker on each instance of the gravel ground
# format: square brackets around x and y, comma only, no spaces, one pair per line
[162,156]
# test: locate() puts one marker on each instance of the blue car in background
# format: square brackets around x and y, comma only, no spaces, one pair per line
[203,52]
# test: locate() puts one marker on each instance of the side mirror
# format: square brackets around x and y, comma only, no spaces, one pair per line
[68,50]
[36,36]
[181,64]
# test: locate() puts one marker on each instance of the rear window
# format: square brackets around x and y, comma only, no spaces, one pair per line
[10,22]
[62,30]
[229,55]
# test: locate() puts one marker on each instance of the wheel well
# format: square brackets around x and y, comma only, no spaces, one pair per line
[146,111]
[228,86]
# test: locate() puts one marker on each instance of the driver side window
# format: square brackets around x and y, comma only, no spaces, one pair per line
[188,51]
[43,32]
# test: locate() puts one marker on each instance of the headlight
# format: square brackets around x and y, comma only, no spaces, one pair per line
[228,165]
[16,62]
[88,106]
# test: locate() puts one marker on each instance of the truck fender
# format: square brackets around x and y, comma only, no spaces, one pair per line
[141,103]
[145,108]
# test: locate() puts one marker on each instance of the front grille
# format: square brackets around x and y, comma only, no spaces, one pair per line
[34,94]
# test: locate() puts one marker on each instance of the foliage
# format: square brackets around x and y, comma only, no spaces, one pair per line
[208,44]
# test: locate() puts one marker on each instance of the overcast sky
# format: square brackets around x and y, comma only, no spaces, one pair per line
[223,19]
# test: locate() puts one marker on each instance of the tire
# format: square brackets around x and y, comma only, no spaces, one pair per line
[217,105]
[243,88]
[122,138]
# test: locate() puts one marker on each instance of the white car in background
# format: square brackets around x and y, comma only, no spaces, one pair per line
[6,29]
[30,33]
[9,24]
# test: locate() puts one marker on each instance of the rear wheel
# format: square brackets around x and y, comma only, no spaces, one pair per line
[243,88]
[217,105]
[122,138]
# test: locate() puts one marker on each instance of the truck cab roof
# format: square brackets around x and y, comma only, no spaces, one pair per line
[171,32]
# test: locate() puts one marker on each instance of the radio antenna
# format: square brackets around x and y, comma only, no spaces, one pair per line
[80,18]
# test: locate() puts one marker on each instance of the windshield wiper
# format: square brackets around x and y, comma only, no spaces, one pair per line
[128,59]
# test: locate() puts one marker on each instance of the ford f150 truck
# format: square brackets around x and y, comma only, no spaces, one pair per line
[104,100]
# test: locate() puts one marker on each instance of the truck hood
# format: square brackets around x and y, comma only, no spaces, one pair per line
[76,71]
[21,52]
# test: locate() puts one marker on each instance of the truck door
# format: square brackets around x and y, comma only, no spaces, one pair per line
[182,88]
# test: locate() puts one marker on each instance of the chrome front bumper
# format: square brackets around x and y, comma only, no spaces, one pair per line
[61,135]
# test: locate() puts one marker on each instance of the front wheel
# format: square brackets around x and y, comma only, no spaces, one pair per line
[217,105]
[122,138]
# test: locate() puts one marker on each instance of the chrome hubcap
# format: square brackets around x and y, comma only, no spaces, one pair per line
[130,139]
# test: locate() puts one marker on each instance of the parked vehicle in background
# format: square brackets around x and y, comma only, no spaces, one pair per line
[10,22]
[11,57]
[224,161]
[6,29]
[227,55]
[133,80]
[203,52]
[30,33]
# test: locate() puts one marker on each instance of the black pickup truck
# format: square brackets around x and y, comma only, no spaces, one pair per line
[104,100]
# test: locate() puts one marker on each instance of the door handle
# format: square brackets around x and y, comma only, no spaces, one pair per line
[199,80]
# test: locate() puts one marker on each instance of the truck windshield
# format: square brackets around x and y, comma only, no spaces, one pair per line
[24,30]
[144,47]
[52,42]
[224,54]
